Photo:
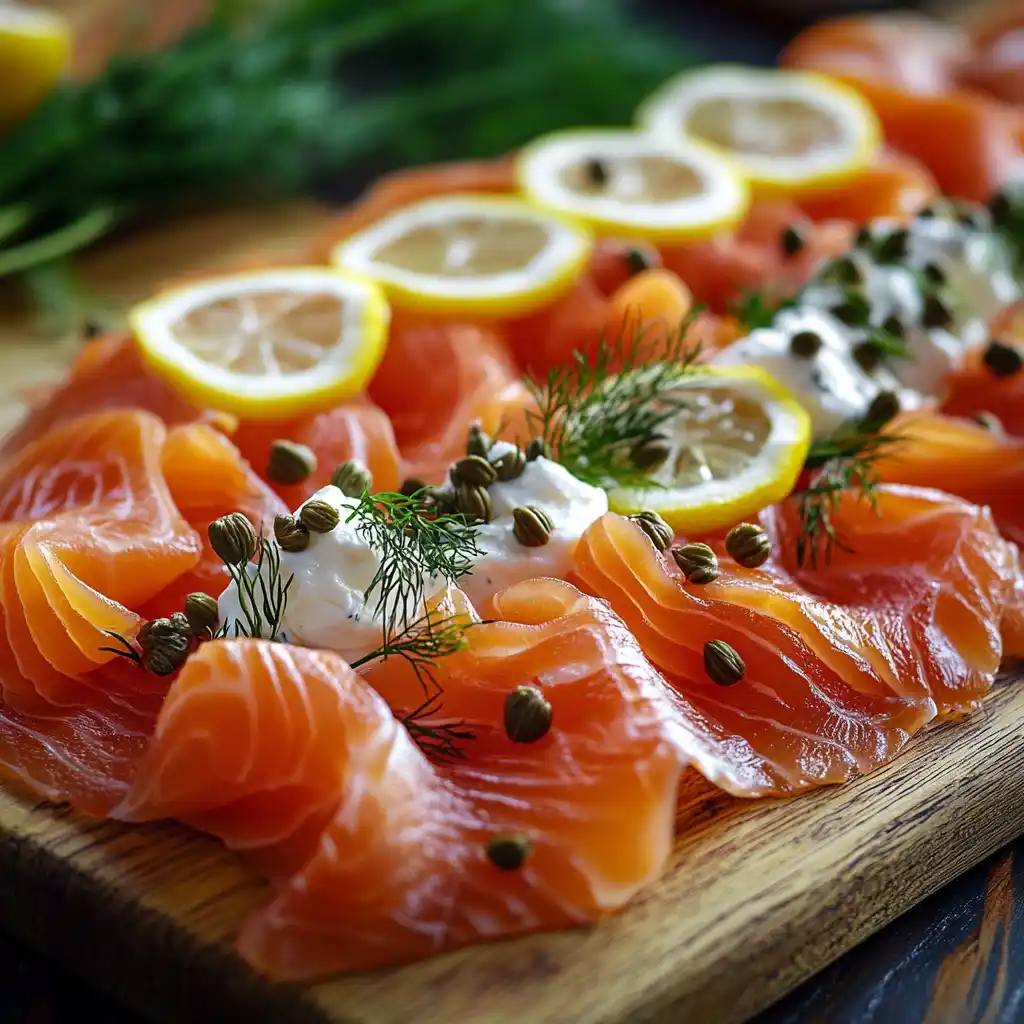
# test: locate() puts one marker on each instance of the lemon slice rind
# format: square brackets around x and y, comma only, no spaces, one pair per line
[506,293]
[664,112]
[344,371]
[767,478]
[721,203]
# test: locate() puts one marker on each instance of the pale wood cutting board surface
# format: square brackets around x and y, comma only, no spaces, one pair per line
[758,897]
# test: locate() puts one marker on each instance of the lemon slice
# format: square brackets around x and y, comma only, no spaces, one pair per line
[789,131]
[627,182]
[737,444]
[470,254]
[34,49]
[266,344]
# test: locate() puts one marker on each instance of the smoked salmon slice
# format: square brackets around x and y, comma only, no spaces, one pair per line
[208,478]
[437,377]
[974,388]
[87,756]
[652,304]
[844,662]
[356,429]
[722,270]
[91,532]
[997,61]
[108,373]
[895,186]
[258,740]
[906,50]
[907,67]
[964,458]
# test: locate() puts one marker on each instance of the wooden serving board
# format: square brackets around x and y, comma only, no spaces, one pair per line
[758,896]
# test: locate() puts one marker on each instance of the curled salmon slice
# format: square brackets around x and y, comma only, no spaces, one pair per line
[982,466]
[997,61]
[260,743]
[90,532]
[909,68]
[208,478]
[844,663]
[648,314]
[974,388]
[894,186]
[906,50]
[962,457]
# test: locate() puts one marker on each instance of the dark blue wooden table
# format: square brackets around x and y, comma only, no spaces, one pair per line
[958,958]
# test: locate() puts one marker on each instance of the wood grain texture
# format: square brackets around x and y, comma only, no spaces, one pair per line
[759,896]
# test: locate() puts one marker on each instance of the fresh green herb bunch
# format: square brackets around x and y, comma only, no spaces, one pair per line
[598,412]
[272,97]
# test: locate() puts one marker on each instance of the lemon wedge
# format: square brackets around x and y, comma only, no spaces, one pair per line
[737,444]
[469,255]
[266,344]
[34,50]
[623,182]
[789,131]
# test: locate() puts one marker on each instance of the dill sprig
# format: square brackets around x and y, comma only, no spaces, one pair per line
[845,463]
[421,645]
[415,546]
[595,411]
[757,309]
[262,594]
[436,737]
[125,649]
[885,344]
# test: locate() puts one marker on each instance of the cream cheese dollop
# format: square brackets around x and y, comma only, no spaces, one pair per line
[572,506]
[830,385]
[328,604]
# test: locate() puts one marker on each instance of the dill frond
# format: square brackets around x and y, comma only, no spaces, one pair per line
[596,410]
[421,645]
[845,463]
[437,738]
[126,648]
[262,595]
[757,309]
[885,344]
[415,546]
